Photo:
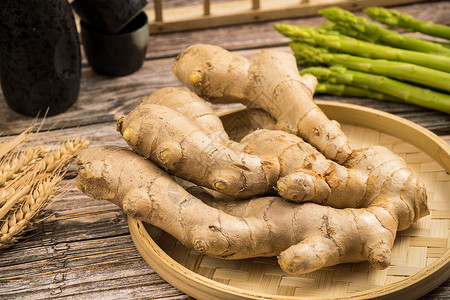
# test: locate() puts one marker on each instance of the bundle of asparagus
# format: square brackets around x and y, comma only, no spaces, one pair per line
[375,62]
[347,23]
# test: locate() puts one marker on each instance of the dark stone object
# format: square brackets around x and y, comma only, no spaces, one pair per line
[108,15]
[40,60]
[116,54]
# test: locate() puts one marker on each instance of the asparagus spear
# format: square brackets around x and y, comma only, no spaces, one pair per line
[408,93]
[349,90]
[359,27]
[349,45]
[445,44]
[331,28]
[395,18]
[308,55]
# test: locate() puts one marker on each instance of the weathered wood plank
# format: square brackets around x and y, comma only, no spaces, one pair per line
[102,99]
[110,267]
[441,292]
[82,249]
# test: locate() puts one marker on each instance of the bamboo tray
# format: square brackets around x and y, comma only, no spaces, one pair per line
[421,255]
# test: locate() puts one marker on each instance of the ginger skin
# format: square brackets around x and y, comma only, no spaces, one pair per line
[371,177]
[268,158]
[178,146]
[305,237]
[270,81]
[192,107]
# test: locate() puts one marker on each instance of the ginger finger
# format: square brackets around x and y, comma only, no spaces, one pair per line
[145,192]
[316,252]
[270,81]
[192,107]
[302,186]
[305,173]
[177,145]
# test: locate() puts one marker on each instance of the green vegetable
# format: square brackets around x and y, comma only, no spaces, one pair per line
[446,45]
[408,93]
[360,28]
[395,18]
[308,55]
[339,43]
[349,90]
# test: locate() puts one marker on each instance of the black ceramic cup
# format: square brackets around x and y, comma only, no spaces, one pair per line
[116,54]
[108,15]
[40,59]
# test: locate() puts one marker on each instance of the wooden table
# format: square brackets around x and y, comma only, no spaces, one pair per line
[82,249]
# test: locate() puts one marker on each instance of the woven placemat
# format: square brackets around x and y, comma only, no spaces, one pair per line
[414,249]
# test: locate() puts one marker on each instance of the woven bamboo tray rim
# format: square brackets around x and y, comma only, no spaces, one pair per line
[413,286]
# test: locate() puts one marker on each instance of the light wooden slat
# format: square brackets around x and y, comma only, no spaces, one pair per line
[428,242]
[240,12]
[256,4]
[206,7]
[440,214]
[158,7]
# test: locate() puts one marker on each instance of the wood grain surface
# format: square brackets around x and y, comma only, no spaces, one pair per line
[82,248]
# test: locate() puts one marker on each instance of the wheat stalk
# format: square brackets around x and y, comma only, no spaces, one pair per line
[18,164]
[52,161]
[7,147]
[18,221]
[27,189]
[61,156]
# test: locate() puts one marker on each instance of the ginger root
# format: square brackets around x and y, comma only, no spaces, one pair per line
[270,81]
[305,237]
[267,158]
[177,145]
[192,107]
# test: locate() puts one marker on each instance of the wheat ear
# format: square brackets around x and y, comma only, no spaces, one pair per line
[18,164]
[7,147]
[19,220]
[14,194]
[52,161]
[26,185]
[63,155]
